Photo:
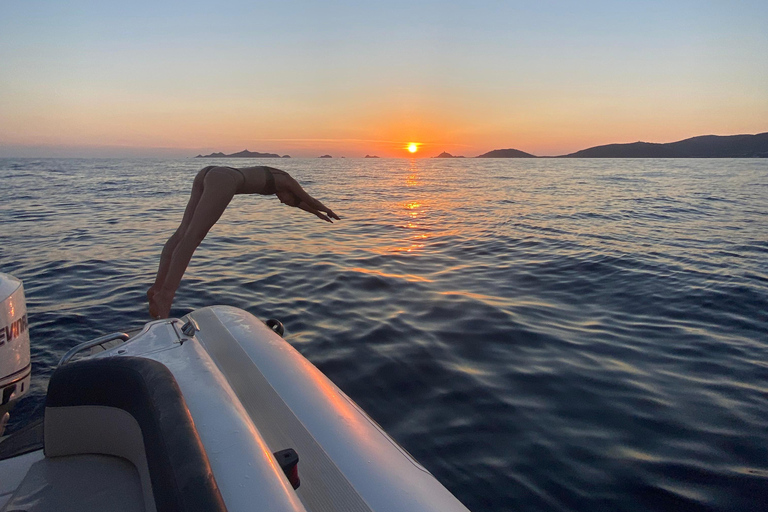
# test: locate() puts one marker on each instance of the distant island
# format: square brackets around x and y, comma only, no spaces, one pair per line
[243,154]
[705,146]
[506,153]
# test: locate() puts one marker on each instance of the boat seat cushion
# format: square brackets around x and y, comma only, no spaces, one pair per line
[78,483]
[132,407]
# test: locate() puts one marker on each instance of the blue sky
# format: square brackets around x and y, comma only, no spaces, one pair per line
[353,77]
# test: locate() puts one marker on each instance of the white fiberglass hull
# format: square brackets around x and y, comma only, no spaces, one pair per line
[250,394]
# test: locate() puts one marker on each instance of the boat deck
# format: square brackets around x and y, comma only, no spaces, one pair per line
[72,483]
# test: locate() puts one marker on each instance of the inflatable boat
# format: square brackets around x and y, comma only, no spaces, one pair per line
[210,412]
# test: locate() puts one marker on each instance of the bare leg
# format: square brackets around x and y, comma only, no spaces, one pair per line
[219,186]
[173,241]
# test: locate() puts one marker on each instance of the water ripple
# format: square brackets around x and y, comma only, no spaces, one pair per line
[541,335]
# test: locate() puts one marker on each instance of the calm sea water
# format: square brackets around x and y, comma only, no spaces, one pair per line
[541,334]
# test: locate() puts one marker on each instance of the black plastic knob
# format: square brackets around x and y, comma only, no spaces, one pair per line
[275,325]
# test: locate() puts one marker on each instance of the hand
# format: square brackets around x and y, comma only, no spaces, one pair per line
[290,192]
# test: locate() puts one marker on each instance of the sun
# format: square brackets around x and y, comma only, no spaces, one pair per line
[413,147]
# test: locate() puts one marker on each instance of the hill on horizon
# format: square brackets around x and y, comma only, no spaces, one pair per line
[243,154]
[506,153]
[704,146]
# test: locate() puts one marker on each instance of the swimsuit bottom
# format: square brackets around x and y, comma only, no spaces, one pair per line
[269,188]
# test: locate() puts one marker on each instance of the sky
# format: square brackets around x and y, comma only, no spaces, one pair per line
[350,78]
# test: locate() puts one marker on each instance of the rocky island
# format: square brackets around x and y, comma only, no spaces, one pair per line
[447,155]
[705,146]
[243,154]
[506,153]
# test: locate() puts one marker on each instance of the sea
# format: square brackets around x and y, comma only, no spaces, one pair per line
[541,334]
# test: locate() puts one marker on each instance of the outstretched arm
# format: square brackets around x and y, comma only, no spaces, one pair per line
[291,193]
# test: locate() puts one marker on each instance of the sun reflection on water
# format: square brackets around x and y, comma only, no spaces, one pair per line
[420,205]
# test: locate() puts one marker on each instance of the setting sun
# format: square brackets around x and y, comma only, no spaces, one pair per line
[413,147]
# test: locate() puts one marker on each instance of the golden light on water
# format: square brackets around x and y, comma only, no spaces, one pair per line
[412,205]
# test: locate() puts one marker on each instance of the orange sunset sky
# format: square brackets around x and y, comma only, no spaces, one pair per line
[348,78]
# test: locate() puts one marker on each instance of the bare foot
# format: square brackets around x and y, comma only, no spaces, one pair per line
[160,304]
[153,309]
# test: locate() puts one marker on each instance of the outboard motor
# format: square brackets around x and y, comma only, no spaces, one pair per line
[15,368]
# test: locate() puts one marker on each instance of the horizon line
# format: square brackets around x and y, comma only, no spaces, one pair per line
[168,149]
